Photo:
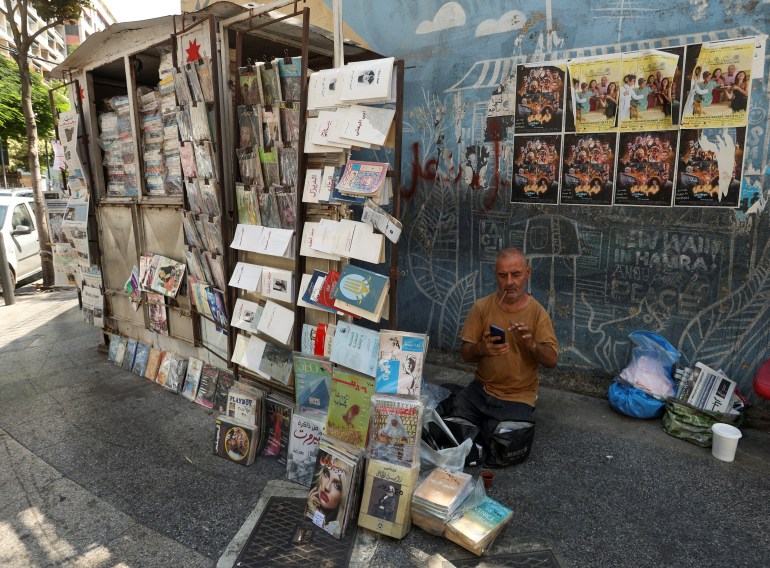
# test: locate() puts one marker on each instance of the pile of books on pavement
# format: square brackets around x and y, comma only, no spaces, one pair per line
[708,389]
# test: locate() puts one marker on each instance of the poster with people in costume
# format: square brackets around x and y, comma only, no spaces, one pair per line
[591,108]
[646,164]
[540,98]
[649,92]
[536,169]
[710,167]
[717,84]
[588,168]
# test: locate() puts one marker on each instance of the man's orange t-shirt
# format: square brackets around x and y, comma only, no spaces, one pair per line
[512,376]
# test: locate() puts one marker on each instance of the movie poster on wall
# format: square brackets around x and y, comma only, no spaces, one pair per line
[646,165]
[590,79]
[648,95]
[717,84]
[710,167]
[536,169]
[588,169]
[540,98]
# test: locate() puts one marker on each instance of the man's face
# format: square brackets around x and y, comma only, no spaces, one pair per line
[512,274]
[731,70]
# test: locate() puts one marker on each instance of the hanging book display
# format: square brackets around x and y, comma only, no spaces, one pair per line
[194,88]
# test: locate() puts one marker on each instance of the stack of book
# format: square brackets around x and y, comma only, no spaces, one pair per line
[333,498]
[394,464]
[306,432]
[477,527]
[705,388]
[354,291]
[240,430]
[438,497]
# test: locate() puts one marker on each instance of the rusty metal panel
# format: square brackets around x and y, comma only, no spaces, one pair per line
[118,244]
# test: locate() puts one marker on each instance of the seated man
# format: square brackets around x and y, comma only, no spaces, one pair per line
[505,388]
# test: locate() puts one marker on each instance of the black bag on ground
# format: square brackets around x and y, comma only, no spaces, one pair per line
[510,444]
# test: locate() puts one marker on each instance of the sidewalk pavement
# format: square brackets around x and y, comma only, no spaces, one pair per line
[99,467]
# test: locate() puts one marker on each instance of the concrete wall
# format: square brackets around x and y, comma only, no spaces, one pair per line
[698,276]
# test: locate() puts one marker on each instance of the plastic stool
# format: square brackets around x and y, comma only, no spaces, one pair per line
[762,381]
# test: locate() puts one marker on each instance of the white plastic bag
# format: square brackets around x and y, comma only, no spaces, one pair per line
[452,459]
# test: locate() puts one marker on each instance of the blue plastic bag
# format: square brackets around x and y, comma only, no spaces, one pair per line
[624,397]
[634,402]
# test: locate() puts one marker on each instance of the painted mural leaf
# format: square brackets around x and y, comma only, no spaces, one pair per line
[727,333]
[433,243]
[458,303]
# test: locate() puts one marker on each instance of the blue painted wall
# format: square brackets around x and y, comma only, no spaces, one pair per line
[699,277]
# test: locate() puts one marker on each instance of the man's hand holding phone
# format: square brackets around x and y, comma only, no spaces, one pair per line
[492,343]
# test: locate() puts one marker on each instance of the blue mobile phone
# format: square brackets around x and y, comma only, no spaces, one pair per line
[498,333]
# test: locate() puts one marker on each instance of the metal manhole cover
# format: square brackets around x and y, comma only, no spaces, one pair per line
[536,559]
[284,537]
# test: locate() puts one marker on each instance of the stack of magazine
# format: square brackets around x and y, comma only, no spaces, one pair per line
[394,464]
[333,498]
[438,497]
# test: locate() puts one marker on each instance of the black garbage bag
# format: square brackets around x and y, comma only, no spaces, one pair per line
[509,444]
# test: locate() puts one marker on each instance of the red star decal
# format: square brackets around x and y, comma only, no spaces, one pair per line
[193,51]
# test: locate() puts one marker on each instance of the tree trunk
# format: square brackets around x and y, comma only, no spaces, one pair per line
[46,258]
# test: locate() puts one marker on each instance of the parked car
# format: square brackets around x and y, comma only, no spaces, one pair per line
[17,223]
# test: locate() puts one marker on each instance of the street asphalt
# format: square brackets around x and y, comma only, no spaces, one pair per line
[102,468]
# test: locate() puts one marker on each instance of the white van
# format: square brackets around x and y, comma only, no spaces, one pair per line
[17,223]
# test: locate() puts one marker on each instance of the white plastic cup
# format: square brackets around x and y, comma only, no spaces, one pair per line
[725,441]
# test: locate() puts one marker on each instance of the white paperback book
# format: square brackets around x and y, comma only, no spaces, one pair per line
[324,128]
[327,184]
[311,147]
[276,322]
[252,354]
[246,314]
[358,240]
[247,237]
[278,284]
[366,80]
[365,124]
[275,242]
[309,235]
[312,187]
[323,91]
[239,351]
[247,277]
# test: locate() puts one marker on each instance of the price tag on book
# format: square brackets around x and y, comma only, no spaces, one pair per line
[319,519]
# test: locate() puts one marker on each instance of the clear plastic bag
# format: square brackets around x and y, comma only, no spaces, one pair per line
[651,362]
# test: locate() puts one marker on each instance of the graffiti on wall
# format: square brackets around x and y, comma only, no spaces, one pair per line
[697,276]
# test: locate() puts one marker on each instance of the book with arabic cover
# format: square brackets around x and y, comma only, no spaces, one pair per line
[438,497]
[304,438]
[395,427]
[349,407]
[388,488]
[338,466]
[478,526]
[362,178]
[356,347]
[361,292]
[400,362]
[366,81]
